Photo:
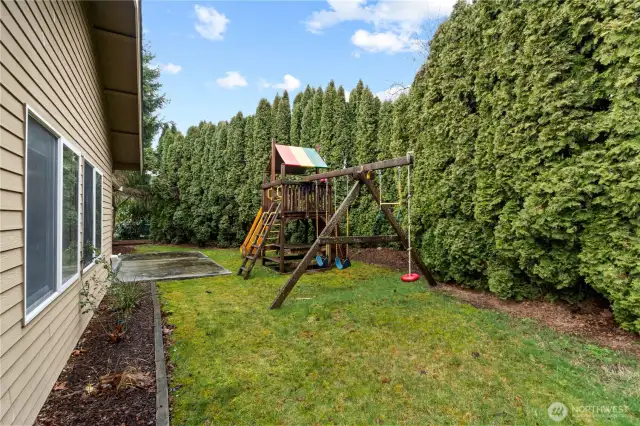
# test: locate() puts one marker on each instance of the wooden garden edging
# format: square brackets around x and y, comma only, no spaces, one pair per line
[162,386]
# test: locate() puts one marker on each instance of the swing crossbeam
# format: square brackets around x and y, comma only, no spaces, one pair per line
[369,167]
[360,239]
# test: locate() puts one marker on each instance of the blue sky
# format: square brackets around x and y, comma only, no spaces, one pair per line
[218,58]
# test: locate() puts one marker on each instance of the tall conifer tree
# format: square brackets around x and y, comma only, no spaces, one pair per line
[296,120]
[283,119]
[316,117]
[327,121]
[307,128]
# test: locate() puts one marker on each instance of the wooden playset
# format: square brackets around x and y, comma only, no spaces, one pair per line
[294,195]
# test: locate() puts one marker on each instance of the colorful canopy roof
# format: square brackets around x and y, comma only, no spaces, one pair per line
[300,157]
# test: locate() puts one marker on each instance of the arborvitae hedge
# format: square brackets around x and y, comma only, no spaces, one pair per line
[525,122]
[528,143]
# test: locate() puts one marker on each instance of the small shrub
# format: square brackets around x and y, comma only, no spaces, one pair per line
[121,297]
[124,297]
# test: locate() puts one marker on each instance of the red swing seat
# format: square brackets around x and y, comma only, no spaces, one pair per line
[409,278]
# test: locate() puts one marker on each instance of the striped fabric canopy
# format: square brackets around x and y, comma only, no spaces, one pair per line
[300,157]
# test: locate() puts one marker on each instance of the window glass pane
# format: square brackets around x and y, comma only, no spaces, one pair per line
[87,216]
[41,220]
[98,243]
[70,168]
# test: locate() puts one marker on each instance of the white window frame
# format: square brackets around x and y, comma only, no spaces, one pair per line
[30,113]
[96,170]
[65,143]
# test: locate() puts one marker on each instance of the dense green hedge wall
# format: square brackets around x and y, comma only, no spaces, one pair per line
[525,121]
[529,149]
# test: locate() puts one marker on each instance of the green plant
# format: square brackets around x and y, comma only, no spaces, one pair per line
[123,297]
[93,288]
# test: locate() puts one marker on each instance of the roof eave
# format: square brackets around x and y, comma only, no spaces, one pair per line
[117,34]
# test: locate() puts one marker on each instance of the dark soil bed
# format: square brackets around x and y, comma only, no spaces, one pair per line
[591,318]
[86,391]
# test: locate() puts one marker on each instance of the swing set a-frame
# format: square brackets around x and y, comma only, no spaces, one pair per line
[310,197]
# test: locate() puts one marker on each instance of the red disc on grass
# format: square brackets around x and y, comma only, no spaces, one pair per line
[409,278]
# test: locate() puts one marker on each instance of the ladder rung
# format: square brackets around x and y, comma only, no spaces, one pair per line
[251,257]
[242,268]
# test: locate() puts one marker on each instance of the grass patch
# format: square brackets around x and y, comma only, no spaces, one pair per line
[360,347]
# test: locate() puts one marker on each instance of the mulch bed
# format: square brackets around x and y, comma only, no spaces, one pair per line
[591,318]
[86,392]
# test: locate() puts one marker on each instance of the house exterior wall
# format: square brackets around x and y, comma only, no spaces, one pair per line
[48,63]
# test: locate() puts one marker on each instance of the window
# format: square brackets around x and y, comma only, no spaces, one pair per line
[70,215]
[92,214]
[52,214]
[41,223]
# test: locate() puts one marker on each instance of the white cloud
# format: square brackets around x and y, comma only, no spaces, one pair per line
[392,93]
[211,23]
[170,68]
[405,16]
[289,83]
[394,22]
[232,80]
[380,42]
[347,93]
[355,54]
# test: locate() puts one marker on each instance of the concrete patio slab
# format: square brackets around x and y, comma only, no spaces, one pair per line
[164,266]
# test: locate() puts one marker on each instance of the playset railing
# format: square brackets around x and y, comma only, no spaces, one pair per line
[299,197]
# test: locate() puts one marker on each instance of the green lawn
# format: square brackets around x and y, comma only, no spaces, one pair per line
[360,347]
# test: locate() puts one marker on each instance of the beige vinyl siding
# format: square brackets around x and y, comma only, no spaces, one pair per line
[47,61]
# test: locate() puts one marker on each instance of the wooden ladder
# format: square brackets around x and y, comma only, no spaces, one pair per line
[259,240]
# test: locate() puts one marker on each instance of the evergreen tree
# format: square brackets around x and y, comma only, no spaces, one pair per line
[399,144]
[354,99]
[307,128]
[283,120]
[296,119]
[131,205]
[367,127]
[201,218]
[316,117]
[366,212]
[153,100]
[234,165]
[261,142]
[385,123]
[327,120]
[342,148]
[217,184]
[386,178]
[274,115]
[249,194]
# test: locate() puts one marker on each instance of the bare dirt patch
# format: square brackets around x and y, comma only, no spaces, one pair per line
[106,383]
[591,319]
[123,249]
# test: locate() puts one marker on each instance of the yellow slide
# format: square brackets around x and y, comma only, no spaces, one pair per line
[257,222]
